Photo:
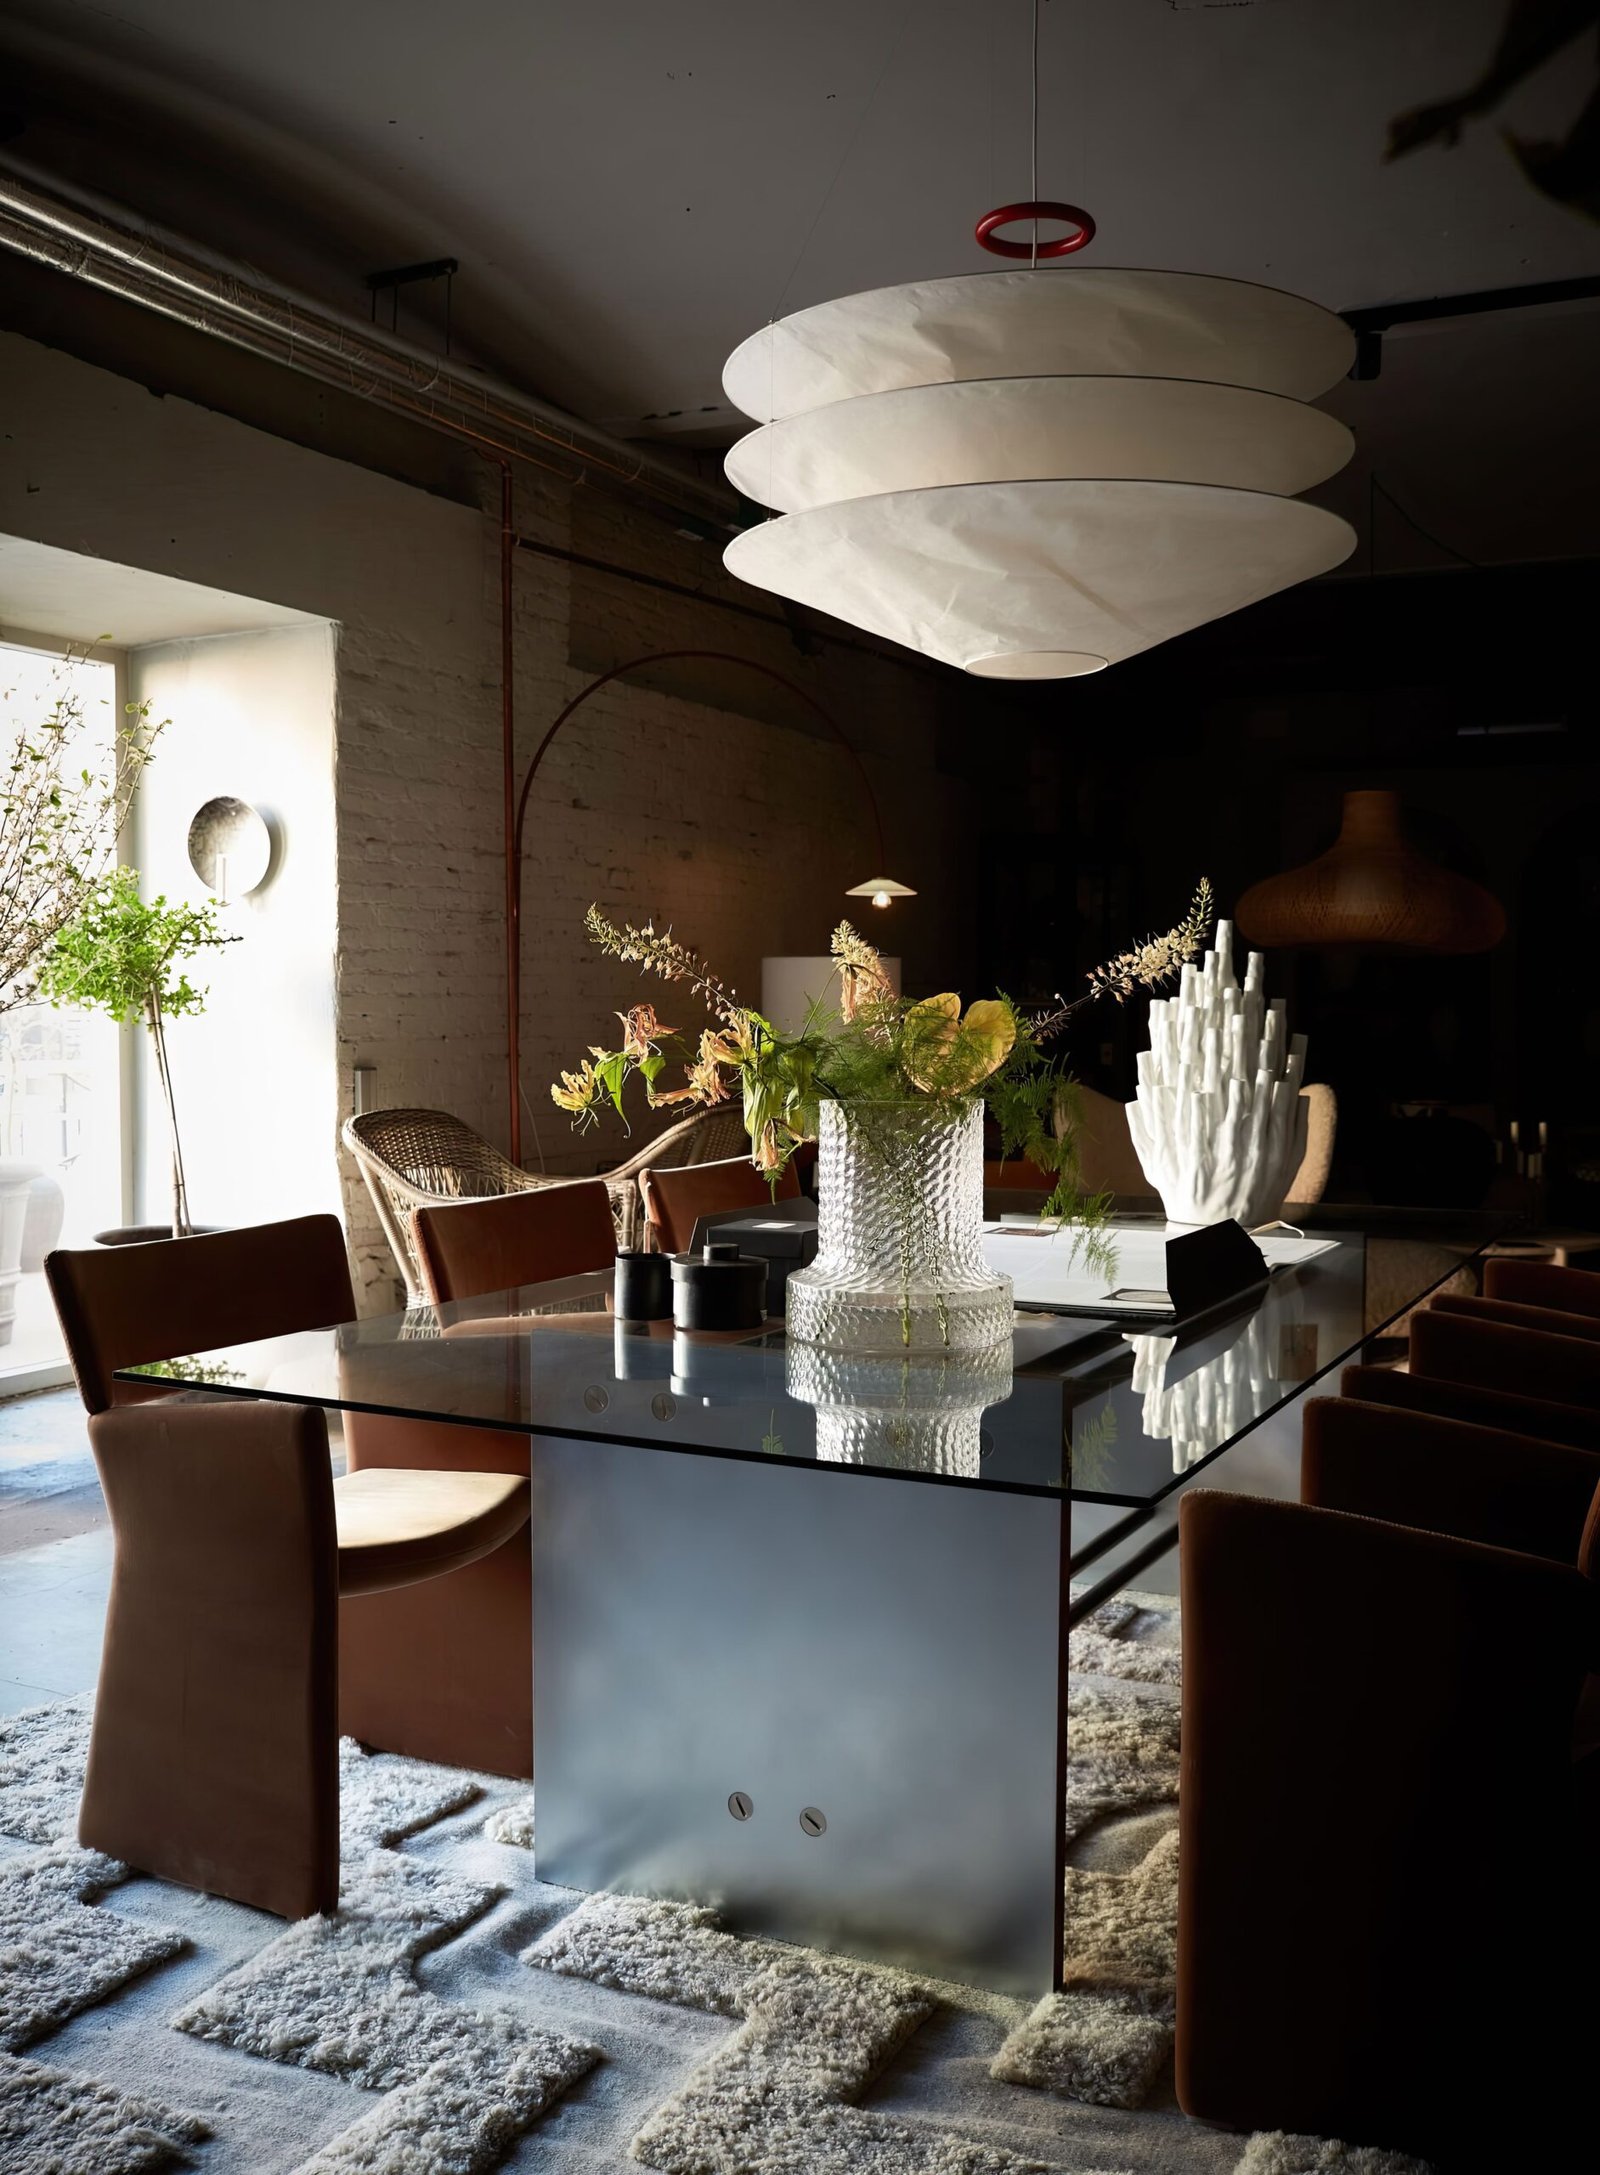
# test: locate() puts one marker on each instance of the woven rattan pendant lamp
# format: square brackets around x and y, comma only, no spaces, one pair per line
[1036,472]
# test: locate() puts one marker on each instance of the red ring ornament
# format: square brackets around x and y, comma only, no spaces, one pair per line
[1062,246]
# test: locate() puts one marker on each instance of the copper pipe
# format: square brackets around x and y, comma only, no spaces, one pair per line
[508,785]
[514,850]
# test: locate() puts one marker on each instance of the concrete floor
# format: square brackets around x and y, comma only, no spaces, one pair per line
[55,1551]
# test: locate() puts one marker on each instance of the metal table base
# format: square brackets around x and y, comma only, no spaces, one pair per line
[830,1703]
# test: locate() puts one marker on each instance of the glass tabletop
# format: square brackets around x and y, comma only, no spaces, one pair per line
[1103,1410]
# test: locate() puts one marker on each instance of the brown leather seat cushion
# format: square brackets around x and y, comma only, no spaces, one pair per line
[397,1524]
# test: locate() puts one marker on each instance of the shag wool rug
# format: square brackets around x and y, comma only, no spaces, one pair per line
[458,2015]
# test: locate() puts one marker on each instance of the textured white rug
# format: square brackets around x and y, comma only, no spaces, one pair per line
[57,1954]
[340,1994]
[1135,1636]
[1275,2152]
[457,2015]
[57,2122]
[815,2031]
[330,1993]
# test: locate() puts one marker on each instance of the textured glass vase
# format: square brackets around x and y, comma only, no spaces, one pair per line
[900,1263]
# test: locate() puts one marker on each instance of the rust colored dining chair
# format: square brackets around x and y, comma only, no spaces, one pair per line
[440,1669]
[675,1200]
[214,1753]
[1462,1401]
[1519,1313]
[522,1238]
[1422,1469]
[1016,1174]
[1379,1798]
[1541,1284]
[1482,1353]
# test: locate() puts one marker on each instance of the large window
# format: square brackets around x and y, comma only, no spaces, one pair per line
[62,1174]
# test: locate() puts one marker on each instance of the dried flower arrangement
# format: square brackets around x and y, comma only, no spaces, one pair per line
[878,1049]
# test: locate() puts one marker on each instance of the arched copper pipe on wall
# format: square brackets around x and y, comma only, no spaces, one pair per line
[515,827]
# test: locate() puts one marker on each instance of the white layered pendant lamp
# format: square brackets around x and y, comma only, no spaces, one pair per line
[1036,472]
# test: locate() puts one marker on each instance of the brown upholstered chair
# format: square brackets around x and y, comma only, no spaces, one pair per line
[1378,1803]
[1547,1320]
[442,1669]
[1541,1284]
[1017,1174]
[675,1200]
[122,1305]
[1461,1401]
[214,1756]
[522,1238]
[1422,1469]
[1496,1355]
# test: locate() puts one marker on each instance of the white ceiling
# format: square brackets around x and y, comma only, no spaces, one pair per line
[634,185]
[73,598]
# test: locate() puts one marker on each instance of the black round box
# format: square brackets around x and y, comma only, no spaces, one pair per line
[719,1288]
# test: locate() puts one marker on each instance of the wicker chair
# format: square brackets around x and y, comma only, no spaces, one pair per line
[413,1159]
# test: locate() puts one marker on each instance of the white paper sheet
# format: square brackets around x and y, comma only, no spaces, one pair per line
[1048,1268]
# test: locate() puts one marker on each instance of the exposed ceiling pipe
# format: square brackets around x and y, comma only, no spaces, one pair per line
[111,248]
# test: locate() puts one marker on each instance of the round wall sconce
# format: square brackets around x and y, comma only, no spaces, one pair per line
[230,847]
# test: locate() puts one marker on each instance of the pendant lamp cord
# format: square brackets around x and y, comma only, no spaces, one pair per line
[1033,143]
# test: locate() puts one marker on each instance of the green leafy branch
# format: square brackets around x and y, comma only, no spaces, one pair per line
[122,954]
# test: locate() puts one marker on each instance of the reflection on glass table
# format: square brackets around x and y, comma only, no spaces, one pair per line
[1215,1401]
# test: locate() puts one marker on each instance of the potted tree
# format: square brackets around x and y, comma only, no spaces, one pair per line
[59,820]
[126,956]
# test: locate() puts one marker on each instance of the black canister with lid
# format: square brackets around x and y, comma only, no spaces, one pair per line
[642,1287]
[718,1288]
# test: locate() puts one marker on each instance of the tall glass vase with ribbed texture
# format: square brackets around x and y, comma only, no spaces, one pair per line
[900,1263]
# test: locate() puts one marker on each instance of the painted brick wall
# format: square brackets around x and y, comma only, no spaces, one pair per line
[742,830]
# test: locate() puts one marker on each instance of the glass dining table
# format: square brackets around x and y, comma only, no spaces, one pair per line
[800,1619]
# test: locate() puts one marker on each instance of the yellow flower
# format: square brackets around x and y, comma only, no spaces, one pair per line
[736,1044]
[576,1091]
[769,1154]
[705,1077]
[706,1084]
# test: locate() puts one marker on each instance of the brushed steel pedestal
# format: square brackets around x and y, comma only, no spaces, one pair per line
[829,1703]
